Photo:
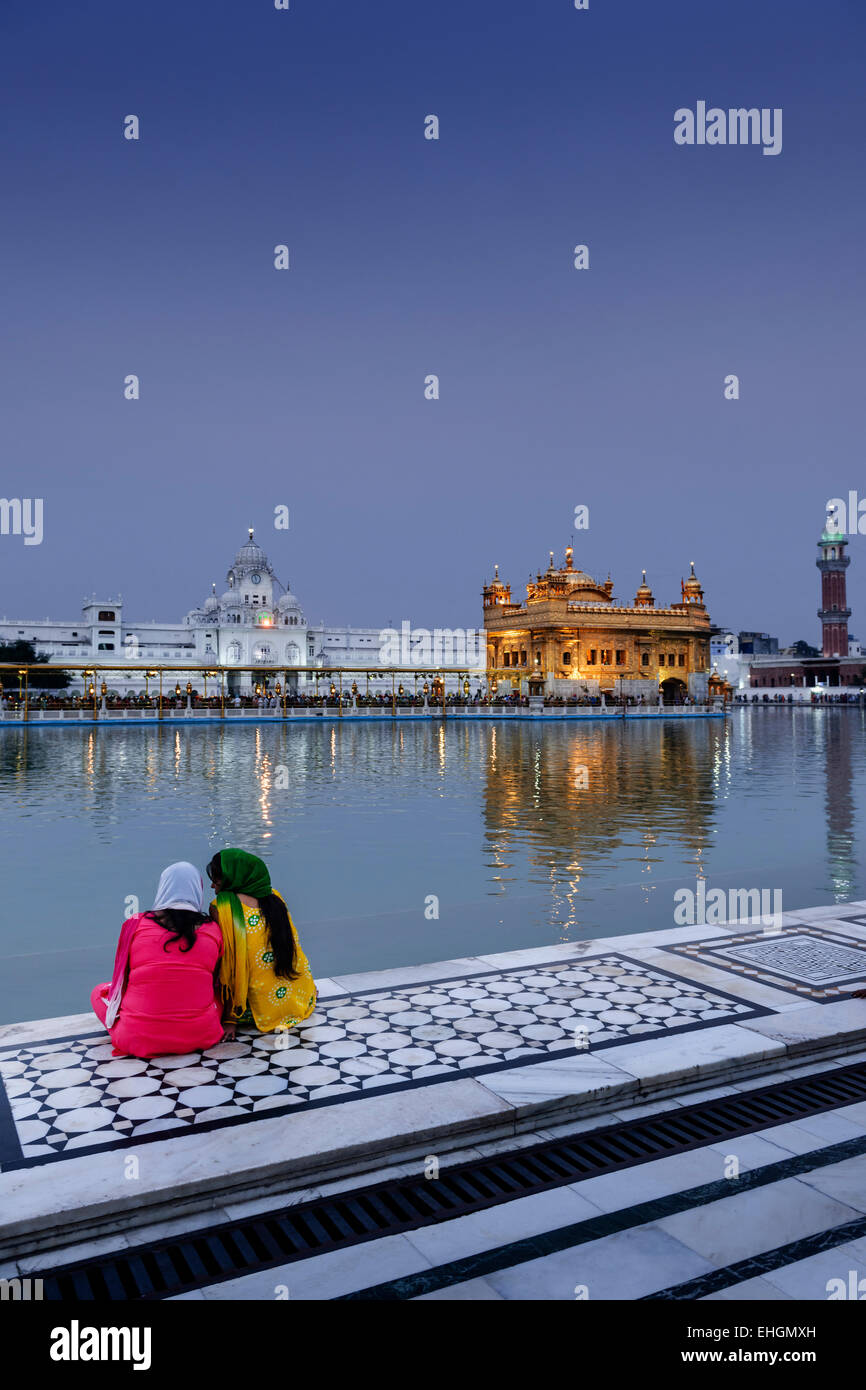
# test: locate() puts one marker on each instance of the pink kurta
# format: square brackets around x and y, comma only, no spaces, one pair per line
[169,1003]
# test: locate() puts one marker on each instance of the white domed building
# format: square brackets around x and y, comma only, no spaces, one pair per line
[256,621]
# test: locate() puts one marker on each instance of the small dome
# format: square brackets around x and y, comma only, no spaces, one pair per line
[288,603]
[644,595]
[231,599]
[692,583]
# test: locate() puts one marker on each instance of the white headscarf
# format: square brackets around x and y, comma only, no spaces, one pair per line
[180,886]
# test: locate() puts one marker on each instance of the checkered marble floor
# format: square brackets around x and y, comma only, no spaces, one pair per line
[61,1098]
[814,962]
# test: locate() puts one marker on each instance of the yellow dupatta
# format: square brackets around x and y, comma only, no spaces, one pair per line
[234,966]
[298,996]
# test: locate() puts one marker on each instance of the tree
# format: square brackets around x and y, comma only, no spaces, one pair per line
[25,654]
[802,648]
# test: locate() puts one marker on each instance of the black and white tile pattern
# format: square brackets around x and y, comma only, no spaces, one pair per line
[814,962]
[73,1095]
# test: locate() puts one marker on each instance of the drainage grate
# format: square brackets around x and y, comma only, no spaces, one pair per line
[169,1267]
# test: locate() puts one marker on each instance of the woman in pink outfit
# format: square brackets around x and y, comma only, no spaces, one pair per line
[163,997]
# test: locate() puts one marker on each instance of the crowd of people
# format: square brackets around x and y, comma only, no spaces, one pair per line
[822,697]
[269,700]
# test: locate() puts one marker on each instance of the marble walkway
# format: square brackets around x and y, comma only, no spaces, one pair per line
[396,1061]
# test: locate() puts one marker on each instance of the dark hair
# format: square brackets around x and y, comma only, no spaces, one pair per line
[182,922]
[280,937]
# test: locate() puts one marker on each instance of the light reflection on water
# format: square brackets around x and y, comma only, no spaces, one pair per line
[527,836]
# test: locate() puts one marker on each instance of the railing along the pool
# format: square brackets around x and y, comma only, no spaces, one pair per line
[387,711]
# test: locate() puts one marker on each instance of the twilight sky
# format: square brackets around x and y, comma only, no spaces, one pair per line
[409,257]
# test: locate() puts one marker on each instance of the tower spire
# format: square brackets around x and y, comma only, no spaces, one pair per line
[834,612]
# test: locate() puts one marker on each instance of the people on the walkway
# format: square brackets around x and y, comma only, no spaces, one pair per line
[164,994]
[264,975]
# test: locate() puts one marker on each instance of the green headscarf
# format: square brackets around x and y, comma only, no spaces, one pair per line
[244,873]
[240,872]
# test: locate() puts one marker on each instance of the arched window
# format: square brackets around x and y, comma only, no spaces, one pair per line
[263,652]
[233,652]
[293,655]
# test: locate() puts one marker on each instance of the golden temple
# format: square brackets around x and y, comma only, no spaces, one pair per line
[571,637]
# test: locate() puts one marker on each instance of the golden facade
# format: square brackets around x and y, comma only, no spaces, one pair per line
[571,634]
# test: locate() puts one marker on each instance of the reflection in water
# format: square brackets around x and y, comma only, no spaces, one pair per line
[577,797]
[526,835]
[839,802]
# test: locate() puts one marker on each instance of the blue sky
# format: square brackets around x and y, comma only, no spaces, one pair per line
[409,257]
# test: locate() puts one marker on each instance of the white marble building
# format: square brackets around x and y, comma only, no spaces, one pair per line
[257,621]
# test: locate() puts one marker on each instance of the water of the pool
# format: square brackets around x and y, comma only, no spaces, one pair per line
[518,835]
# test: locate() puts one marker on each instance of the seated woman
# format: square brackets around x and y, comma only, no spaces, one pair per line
[164,994]
[265,976]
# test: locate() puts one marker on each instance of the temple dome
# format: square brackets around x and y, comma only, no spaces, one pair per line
[251,556]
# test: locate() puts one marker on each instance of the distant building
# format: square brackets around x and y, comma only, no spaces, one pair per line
[570,636]
[758,644]
[257,621]
[727,658]
[837,665]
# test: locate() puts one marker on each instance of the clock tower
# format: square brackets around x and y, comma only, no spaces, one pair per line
[834,612]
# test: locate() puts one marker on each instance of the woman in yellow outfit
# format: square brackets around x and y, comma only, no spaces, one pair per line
[264,975]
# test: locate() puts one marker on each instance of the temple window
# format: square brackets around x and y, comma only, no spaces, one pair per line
[590,660]
[506,658]
[605,656]
[661,658]
[672,661]
[682,659]
[522,656]
[644,658]
[566,658]
[620,658]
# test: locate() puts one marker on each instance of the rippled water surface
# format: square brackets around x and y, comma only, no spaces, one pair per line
[526,836]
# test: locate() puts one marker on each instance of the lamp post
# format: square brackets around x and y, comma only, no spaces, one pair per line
[24,673]
[354,694]
[426,693]
[103,690]
[189,696]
